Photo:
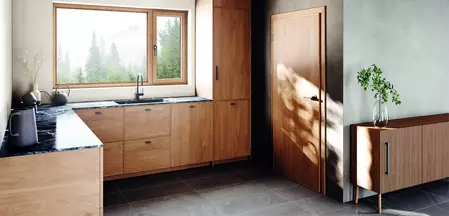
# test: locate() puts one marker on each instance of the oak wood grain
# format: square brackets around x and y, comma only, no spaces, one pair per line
[113,158]
[405,158]
[435,151]
[231,129]
[231,54]
[107,124]
[192,133]
[234,4]
[147,154]
[298,73]
[53,184]
[147,121]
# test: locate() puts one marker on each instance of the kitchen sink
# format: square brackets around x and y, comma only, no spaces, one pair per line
[141,101]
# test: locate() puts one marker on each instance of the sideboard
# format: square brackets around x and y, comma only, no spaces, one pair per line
[406,153]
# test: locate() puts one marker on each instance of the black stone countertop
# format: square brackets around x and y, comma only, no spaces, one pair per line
[60,129]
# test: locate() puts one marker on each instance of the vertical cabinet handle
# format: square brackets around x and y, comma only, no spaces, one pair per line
[216,72]
[387,159]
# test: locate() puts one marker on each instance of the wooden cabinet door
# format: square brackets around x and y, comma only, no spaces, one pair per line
[113,158]
[147,121]
[192,136]
[237,4]
[435,151]
[231,130]
[107,124]
[400,158]
[147,154]
[231,54]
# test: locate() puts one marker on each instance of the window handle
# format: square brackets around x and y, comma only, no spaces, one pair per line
[155,50]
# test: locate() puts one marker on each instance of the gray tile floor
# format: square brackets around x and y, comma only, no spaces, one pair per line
[242,190]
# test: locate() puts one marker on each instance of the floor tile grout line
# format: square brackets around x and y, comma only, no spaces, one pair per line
[127,201]
[435,194]
[208,200]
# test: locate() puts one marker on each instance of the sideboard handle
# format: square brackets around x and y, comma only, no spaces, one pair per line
[387,168]
[98,113]
[148,109]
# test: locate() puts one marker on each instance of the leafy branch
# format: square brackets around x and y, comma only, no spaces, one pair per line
[372,78]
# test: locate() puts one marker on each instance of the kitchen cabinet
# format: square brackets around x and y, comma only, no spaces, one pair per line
[113,158]
[147,121]
[231,54]
[406,153]
[436,151]
[107,124]
[192,133]
[223,49]
[146,154]
[231,129]
[52,184]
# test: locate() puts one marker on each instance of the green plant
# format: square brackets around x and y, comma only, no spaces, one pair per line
[372,78]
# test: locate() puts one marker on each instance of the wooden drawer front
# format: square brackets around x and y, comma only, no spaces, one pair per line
[147,154]
[402,166]
[147,121]
[107,124]
[113,158]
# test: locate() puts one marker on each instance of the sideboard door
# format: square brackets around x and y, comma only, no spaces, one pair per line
[435,151]
[400,158]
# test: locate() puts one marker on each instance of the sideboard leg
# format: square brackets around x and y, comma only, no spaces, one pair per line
[379,203]
[356,194]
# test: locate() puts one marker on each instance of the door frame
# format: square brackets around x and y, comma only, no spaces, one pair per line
[321,11]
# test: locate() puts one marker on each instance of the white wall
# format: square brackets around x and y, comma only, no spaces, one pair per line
[409,40]
[33,31]
[5,63]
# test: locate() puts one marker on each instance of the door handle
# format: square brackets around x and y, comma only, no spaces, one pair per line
[387,159]
[314,98]
[216,72]
[98,113]
[192,106]
[148,110]
[148,142]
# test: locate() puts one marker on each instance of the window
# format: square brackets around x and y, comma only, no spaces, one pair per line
[99,46]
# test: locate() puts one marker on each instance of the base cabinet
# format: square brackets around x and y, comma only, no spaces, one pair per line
[231,129]
[407,153]
[192,137]
[113,158]
[146,154]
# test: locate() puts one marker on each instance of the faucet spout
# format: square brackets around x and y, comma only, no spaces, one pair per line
[138,94]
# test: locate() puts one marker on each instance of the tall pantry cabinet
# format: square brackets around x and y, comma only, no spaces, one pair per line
[223,72]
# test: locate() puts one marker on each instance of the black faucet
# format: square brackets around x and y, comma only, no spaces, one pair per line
[138,94]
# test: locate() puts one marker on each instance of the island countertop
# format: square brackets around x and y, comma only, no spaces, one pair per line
[60,129]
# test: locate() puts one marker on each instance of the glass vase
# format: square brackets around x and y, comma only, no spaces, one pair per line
[380,113]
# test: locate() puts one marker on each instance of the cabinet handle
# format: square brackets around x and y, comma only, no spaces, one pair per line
[148,110]
[98,113]
[192,106]
[233,104]
[387,168]
[216,72]
[148,142]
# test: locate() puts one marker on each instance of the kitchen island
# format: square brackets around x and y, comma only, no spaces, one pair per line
[61,175]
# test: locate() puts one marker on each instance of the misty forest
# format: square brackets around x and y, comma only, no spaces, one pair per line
[107,67]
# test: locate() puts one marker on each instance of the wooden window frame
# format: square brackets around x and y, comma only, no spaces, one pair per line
[152,14]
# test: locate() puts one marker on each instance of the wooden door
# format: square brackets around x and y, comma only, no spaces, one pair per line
[231,130]
[400,158]
[231,54]
[192,134]
[435,151]
[298,95]
[107,124]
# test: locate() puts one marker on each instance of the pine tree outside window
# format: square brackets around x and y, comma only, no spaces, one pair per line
[100,46]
